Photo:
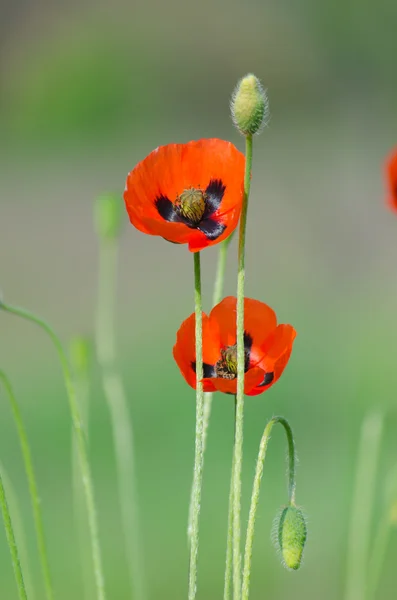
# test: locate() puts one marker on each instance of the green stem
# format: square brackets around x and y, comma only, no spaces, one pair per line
[83,395]
[34,495]
[238,448]
[363,500]
[216,298]
[256,490]
[12,544]
[227,590]
[19,530]
[81,443]
[199,456]
[116,397]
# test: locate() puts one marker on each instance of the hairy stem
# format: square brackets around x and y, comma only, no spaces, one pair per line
[249,543]
[238,447]
[199,456]
[228,587]
[217,296]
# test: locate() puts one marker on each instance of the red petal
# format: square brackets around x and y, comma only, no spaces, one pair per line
[252,378]
[259,320]
[391,175]
[184,350]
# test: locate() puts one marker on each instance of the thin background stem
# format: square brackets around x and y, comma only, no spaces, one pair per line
[387,522]
[378,555]
[12,543]
[19,530]
[34,494]
[256,490]
[217,297]
[81,443]
[362,506]
[238,447]
[83,395]
[116,397]
[199,456]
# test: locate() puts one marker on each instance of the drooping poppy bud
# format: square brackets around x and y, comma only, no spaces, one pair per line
[108,214]
[290,533]
[249,105]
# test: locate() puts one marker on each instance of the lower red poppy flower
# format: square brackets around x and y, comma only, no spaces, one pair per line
[268,347]
[391,175]
[188,193]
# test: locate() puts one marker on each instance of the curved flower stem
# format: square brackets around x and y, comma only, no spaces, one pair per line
[256,489]
[227,590]
[116,397]
[217,296]
[238,447]
[81,444]
[199,456]
[363,500]
[34,495]
[19,530]
[12,543]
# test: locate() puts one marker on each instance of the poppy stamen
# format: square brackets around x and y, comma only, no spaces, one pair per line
[191,205]
[226,367]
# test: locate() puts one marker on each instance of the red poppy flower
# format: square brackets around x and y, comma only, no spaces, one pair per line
[187,193]
[391,174]
[267,348]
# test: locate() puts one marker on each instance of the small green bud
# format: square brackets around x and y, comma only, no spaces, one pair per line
[290,533]
[108,215]
[80,352]
[249,105]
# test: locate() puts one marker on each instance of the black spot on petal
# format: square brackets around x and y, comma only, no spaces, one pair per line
[268,378]
[211,229]
[166,209]
[208,370]
[213,196]
[247,349]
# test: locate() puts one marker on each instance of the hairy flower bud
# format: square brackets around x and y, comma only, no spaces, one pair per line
[109,212]
[80,354]
[290,533]
[249,105]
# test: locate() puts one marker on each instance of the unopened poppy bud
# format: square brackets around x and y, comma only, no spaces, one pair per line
[290,533]
[109,211]
[80,354]
[249,105]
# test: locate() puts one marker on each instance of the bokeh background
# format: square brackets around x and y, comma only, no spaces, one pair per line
[86,91]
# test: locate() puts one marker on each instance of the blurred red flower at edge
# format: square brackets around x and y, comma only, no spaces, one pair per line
[391,175]
[268,347]
[188,193]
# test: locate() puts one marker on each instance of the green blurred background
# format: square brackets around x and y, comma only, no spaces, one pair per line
[86,91]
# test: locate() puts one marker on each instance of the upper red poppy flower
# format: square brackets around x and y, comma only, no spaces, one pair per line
[391,173]
[267,347]
[187,193]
